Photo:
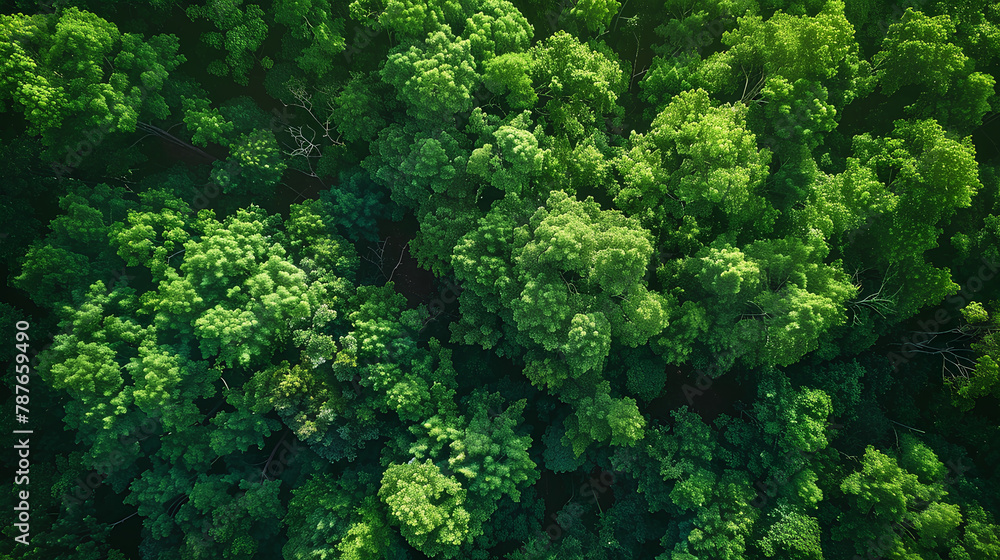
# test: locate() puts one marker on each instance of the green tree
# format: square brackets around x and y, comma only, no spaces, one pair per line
[931,176]
[497,28]
[422,168]
[259,165]
[54,70]
[984,377]
[428,507]
[435,77]
[792,535]
[356,204]
[440,231]
[595,14]
[360,106]
[331,515]
[241,32]
[917,51]
[603,420]
[205,124]
[509,74]
[511,158]
[771,301]
[697,159]
[693,26]
[313,21]
[583,83]
[779,45]
[884,494]
[60,269]
[416,19]
[574,280]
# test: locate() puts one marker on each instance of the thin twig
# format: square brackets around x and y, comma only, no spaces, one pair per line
[400,261]
[126,519]
[905,426]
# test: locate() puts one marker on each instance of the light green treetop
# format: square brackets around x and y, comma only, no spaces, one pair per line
[428,506]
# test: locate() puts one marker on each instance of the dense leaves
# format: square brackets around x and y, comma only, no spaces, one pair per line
[588,280]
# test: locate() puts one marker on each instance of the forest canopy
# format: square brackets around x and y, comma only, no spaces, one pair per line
[501,279]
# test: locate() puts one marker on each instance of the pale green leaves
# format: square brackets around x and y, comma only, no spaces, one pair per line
[54,67]
[596,14]
[700,154]
[416,18]
[497,29]
[724,271]
[240,293]
[917,50]
[881,487]
[88,370]
[568,258]
[932,175]
[794,46]
[840,203]
[511,158]
[427,505]
[259,159]
[603,419]
[23,80]
[510,74]
[588,341]
[435,77]
[583,83]
[772,300]
[794,535]
[206,124]
[520,148]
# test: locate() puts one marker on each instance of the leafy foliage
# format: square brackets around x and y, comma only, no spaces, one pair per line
[674,278]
